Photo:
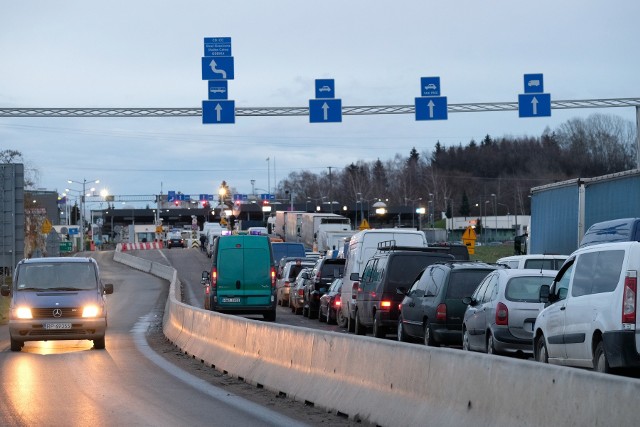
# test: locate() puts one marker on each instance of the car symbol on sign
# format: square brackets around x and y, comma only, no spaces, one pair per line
[218,90]
[534,83]
[324,89]
[430,86]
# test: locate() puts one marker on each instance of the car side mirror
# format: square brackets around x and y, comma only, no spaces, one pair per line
[108,288]
[544,294]
[469,301]
[305,276]
[205,277]
[4,290]
[354,277]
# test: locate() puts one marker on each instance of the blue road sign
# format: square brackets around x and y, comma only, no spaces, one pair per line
[217,46]
[218,89]
[533,83]
[325,110]
[325,88]
[171,196]
[73,231]
[534,105]
[431,108]
[217,68]
[222,111]
[430,86]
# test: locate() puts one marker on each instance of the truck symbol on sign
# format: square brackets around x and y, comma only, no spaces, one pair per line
[534,82]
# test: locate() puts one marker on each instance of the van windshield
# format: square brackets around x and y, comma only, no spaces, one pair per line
[56,276]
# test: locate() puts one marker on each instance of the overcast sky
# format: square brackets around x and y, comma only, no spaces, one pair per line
[143,53]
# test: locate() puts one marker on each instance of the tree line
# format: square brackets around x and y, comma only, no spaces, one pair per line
[462,179]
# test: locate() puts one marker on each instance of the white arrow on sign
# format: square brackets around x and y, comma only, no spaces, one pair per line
[325,108]
[534,102]
[218,112]
[213,66]
[431,105]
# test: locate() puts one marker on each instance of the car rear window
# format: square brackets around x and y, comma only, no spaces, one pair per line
[332,269]
[295,269]
[543,264]
[526,289]
[463,283]
[403,270]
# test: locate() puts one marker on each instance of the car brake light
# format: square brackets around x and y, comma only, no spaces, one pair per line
[441,312]
[355,289]
[629,297]
[300,292]
[385,305]
[273,277]
[502,314]
[214,277]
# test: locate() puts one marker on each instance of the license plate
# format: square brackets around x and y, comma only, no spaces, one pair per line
[57,325]
[230,299]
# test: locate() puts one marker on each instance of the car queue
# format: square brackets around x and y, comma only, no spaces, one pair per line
[436,297]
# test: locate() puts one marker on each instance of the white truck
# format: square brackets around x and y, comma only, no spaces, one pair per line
[282,220]
[314,230]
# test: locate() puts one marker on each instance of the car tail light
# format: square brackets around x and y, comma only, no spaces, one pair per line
[385,305]
[441,312]
[355,289]
[629,297]
[337,301]
[214,277]
[502,314]
[300,292]
[273,277]
[207,290]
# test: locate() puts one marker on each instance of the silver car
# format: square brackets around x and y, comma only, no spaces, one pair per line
[286,280]
[502,310]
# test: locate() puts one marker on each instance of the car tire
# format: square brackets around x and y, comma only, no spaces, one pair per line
[305,311]
[378,330]
[16,345]
[465,340]
[270,316]
[313,314]
[491,347]
[331,320]
[99,343]
[351,324]
[320,319]
[429,341]
[600,362]
[358,328]
[402,335]
[540,350]
[340,319]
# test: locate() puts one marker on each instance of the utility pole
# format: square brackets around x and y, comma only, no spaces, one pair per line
[330,188]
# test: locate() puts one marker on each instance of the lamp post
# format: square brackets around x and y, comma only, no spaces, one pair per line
[84,183]
[413,209]
[495,216]
[431,210]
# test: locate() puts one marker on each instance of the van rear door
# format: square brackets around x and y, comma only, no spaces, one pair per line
[257,273]
[231,275]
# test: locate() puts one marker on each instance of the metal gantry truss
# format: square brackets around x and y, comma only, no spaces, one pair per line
[303,111]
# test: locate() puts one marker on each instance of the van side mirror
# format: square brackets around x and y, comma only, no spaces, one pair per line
[108,288]
[354,277]
[4,290]
[544,294]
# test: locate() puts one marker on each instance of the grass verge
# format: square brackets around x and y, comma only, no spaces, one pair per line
[491,253]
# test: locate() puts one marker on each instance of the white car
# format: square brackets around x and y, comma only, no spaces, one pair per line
[591,316]
[539,262]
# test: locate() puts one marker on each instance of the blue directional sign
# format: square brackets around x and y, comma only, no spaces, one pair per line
[533,83]
[534,105]
[222,111]
[217,68]
[240,197]
[431,108]
[217,46]
[171,196]
[218,89]
[325,88]
[267,196]
[430,86]
[325,110]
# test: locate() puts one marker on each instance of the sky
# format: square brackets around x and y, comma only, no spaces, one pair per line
[147,54]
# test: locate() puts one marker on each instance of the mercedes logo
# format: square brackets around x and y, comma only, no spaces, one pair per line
[57,312]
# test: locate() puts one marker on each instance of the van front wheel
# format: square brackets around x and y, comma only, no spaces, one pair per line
[16,345]
[270,316]
[600,362]
[99,343]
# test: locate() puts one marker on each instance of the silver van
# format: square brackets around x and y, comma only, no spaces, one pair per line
[57,299]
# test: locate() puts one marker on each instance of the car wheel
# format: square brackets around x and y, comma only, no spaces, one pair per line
[351,324]
[305,311]
[491,347]
[16,345]
[465,340]
[320,319]
[541,354]
[313,314]
[340,319]
[270,316]
[402,335]
[331,319]
[99,343]
[358,329]
[428,336]
[600,362]
[378,331]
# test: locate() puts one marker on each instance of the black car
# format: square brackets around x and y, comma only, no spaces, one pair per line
[391,267]
[324,272]
[432,310]
[175,242]
[330,303]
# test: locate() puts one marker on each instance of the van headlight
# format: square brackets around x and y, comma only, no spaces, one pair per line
[23,313]
[91,311]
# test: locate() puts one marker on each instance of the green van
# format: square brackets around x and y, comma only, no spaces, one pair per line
[242,279]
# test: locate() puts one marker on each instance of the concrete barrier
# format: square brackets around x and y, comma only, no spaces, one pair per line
[399,384]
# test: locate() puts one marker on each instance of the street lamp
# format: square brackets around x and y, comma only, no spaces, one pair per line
[84,183]
[413,209]
[495,234]
[431,210]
